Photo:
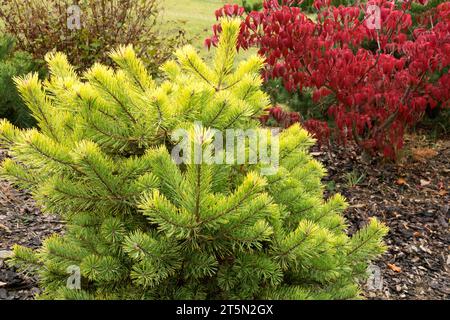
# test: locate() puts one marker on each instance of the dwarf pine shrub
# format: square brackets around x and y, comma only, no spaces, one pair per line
[141,226]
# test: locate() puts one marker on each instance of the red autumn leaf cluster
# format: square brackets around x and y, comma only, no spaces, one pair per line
[379,71]
[281,118]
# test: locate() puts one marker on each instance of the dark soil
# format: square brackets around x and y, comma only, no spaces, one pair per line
[411,197]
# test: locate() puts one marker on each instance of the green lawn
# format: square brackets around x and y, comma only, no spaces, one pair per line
[195,16]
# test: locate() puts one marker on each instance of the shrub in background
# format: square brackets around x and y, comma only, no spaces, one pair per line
[252,5]
[311,6]
[41,26]
[424,7]
[299,101]
[278,117]
[306,5]
[424,13]
[142,227]
[372,84]
[13,64]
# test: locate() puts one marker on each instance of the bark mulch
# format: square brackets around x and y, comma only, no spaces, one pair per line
[411,197]
[21,222]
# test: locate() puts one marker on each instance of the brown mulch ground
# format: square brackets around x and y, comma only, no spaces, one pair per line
[21,222]
[411,197]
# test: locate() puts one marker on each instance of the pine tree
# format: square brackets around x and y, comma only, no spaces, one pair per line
[140,226]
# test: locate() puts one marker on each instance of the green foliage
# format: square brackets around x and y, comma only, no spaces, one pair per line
[299,101]
[13,64]
[140,226]
[104,25]
[252,5]
[436,122]
[354,178]
[418,8]
[308,5]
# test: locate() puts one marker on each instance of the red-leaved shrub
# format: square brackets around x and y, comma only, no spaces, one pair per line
[380,80]
[276,116]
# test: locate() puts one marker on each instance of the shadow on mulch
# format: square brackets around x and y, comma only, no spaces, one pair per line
[411,197]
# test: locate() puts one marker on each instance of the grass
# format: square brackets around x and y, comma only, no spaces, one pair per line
[354,178]
[196,17]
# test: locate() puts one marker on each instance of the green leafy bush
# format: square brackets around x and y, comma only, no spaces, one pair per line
[13,64]
[41,26]
[306,5]
[298,101]
[139,225]
[420,7]
[252,5]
